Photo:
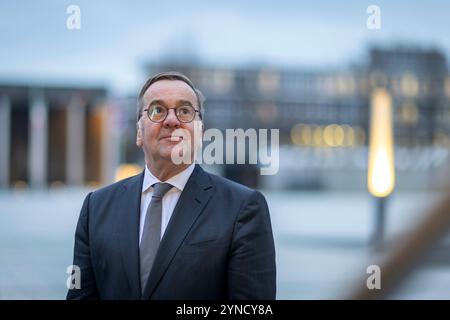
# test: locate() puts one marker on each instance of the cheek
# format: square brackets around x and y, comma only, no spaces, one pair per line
[190,130]
[150,135]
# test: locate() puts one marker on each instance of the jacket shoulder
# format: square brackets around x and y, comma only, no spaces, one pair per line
[228,186]
[111,189]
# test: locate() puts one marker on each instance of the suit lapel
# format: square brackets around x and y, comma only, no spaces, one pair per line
[127,230]
[193,199]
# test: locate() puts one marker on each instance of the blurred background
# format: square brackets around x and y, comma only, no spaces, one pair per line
[68,124]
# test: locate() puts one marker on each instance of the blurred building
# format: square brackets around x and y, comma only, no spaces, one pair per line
[323,115]
[419,82]
[53,136]
[271,98]
[417,78]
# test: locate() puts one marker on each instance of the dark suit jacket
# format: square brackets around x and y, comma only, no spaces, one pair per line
[218,244]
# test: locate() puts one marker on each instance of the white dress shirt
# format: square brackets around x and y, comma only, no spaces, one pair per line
[169,200]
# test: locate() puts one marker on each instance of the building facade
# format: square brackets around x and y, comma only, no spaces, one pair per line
[54,136]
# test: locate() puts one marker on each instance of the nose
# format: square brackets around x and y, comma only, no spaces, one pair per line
[171,120]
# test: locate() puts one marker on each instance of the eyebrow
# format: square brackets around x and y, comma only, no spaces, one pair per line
[177,104]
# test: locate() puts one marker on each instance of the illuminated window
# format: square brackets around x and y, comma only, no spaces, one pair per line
[409,114]
[222,81]
[447,86]
[409,85]
[268,82]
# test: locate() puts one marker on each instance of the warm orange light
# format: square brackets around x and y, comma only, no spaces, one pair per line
[381,173]
[127,170]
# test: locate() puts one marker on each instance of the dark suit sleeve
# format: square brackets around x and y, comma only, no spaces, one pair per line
[82,258]
[251,268]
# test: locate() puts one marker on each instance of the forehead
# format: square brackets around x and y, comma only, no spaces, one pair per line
[170,91]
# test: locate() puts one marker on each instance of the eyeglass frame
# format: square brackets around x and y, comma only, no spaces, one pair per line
[175,109]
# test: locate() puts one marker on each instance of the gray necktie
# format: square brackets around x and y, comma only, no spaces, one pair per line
[151,234]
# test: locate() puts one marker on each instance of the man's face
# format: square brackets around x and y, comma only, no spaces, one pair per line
[155,138]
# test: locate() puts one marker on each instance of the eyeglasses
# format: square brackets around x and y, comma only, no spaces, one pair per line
[158,113]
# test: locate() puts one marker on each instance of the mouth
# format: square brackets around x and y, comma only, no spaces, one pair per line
[172,138]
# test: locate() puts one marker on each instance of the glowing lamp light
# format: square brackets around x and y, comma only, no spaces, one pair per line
[381,173]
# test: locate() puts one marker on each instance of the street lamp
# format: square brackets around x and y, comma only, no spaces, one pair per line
[381,170]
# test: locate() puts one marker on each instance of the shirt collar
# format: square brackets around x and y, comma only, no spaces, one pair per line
[178,181]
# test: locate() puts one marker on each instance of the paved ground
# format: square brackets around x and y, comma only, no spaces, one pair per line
[321,241]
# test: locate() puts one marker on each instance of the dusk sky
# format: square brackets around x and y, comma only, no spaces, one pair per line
[118,37]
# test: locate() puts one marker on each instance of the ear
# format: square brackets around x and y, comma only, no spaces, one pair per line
[138,135]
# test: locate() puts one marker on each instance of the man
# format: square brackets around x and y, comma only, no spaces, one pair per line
[174,231]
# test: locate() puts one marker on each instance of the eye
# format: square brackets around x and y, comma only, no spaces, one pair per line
[157,110]
[157,113]
[184,110]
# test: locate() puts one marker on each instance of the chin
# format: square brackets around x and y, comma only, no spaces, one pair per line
[166,153]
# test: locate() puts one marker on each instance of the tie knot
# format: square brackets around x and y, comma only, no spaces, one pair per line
[160,189]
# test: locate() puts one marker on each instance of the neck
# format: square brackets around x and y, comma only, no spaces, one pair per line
[165,169]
